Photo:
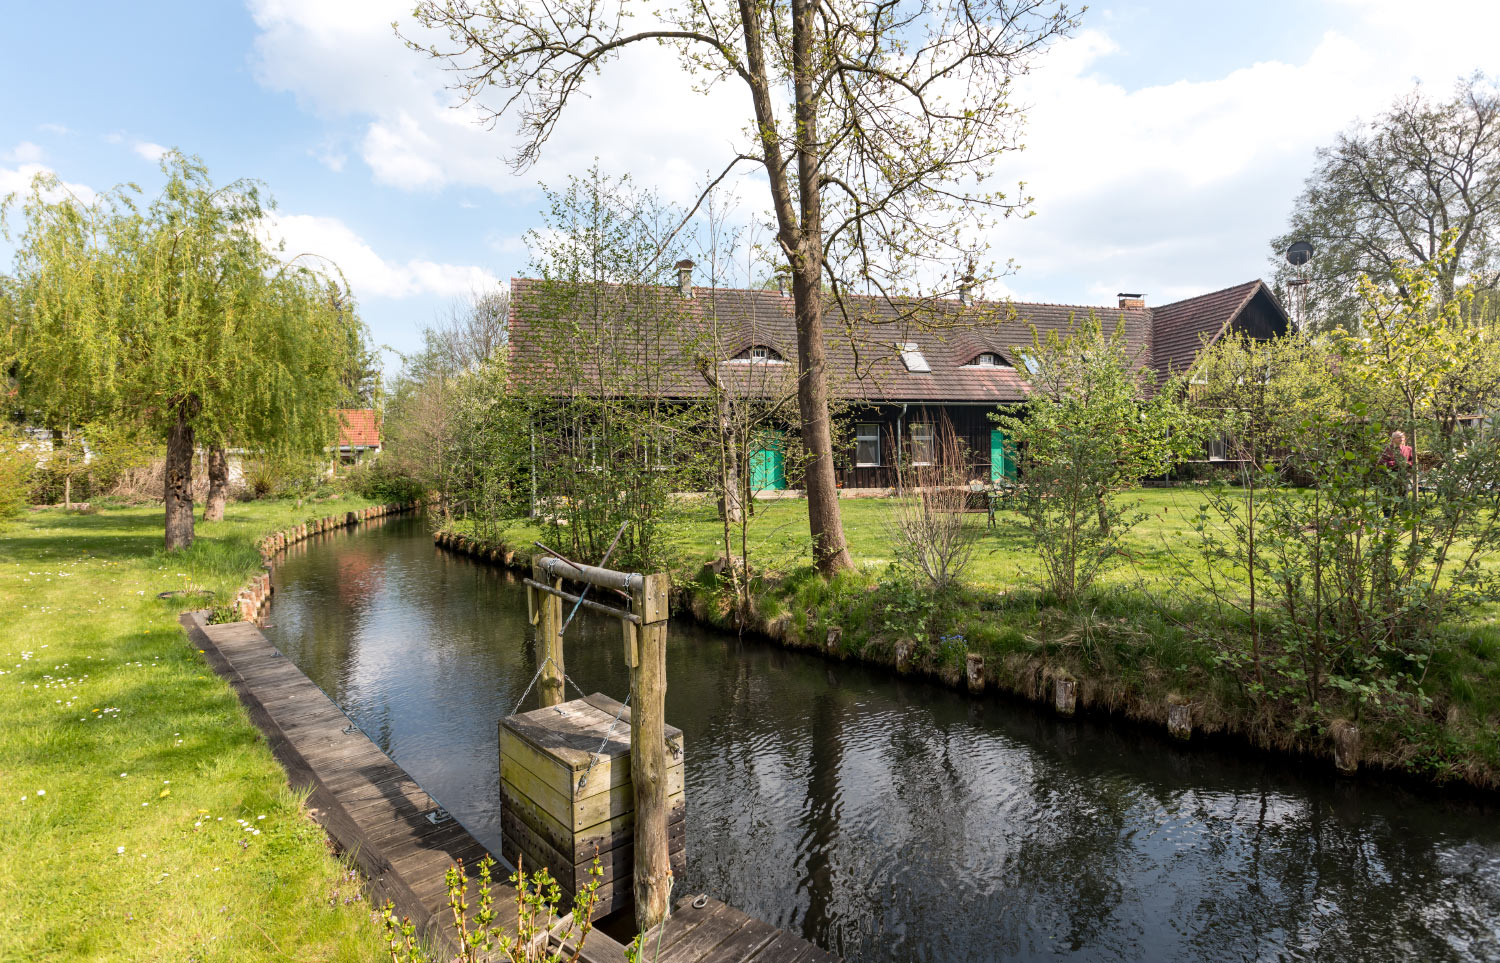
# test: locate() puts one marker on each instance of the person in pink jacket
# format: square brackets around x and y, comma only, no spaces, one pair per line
[1397,459]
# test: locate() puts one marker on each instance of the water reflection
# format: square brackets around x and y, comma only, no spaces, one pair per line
[891,820]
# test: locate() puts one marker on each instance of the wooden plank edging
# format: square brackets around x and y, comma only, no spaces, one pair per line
[325,804]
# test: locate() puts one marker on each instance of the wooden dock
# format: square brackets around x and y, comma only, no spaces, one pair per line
[704,930]
[400,836]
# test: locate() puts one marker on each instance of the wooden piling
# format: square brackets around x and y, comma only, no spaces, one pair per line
[974,671]
[548,621]
[1180,721]
[566,786]
[648,753]
[1345,746]
[1065,695]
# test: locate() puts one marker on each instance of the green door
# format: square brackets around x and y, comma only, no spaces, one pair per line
[1002,460]
[768,464]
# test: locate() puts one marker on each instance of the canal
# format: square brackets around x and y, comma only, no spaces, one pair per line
[892,820]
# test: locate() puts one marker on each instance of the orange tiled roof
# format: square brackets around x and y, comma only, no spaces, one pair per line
[359,428]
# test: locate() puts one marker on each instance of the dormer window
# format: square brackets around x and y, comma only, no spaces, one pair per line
[759,354]
[988,359]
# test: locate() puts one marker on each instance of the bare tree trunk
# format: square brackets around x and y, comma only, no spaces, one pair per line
[803,245]
[178,492]
[830,552]
[68,492]
[731,508]
[218,484]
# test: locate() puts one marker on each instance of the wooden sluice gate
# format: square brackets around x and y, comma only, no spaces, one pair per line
[594,778]
[567,797]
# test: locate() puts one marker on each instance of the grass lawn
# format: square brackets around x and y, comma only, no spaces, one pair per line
[141,815]
[1003,558]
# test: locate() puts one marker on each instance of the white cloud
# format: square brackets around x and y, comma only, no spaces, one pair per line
[332,159]
[151,152]
[17,180]
[1176,188]
[1168,188]
[58,129]
[24,153]
[368,273]
[341,59]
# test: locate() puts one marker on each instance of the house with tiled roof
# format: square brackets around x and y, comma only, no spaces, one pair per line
[896,370]
[359,434]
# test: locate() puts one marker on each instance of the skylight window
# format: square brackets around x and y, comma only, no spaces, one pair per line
[911,356]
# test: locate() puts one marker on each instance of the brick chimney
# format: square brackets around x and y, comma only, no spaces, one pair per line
[966,287]
[1132,302]
[685,277]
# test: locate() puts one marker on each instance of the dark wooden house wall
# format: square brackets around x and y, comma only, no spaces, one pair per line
[971,424]
[1260,319]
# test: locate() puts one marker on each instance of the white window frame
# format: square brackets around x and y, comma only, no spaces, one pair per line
[866,432]
[988,359]
[912,357]
[758,354]
[925,436]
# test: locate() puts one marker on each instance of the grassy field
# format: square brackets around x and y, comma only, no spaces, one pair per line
[141,815]
[1156,550]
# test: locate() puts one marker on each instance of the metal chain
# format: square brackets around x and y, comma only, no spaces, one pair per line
[521,701]
[594,758]
[532,684]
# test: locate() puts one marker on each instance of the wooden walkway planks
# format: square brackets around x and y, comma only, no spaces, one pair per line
[377,813]
[370,807]
[715,932]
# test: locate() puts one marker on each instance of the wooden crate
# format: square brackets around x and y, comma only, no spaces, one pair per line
[549,820]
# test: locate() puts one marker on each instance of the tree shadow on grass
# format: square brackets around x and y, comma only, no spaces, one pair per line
[52,532]
[126,535]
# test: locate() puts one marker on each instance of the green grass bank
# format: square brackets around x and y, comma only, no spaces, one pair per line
[144,818]
[1140,646]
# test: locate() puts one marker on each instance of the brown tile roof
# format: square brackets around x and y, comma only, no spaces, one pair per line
[359,428]
[1180,329]
[864,361]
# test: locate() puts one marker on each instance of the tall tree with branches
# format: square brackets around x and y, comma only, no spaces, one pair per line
[179,316]
[874,125]
[1422,177]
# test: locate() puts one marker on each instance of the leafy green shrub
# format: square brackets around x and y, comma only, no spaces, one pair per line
[539,932]
[17,470]
[381,481]
[1085,433]
[48,486]
[1349,586]
[261,477]
[270,475]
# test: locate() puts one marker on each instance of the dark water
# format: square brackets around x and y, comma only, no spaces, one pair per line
[891,820]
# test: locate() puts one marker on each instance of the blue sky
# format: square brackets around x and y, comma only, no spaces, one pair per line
[1166,140]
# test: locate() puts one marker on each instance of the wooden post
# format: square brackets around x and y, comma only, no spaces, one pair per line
[648,752]
[548,609]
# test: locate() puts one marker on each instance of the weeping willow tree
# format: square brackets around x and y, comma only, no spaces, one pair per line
[181,316]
